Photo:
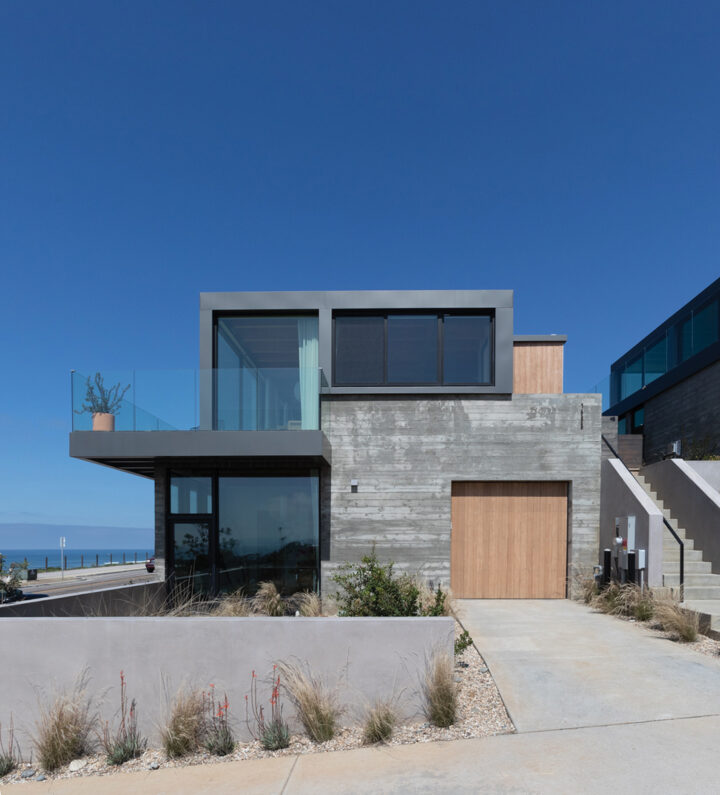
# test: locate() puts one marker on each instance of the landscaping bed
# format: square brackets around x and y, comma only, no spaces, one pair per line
[480,713]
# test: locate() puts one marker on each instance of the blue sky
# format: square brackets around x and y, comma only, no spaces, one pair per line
[154,150]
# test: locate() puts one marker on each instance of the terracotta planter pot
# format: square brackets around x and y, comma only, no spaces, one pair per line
[103,422]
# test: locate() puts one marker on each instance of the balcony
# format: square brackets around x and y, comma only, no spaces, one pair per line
[196,414]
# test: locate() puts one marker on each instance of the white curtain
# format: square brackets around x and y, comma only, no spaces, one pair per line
[309,375]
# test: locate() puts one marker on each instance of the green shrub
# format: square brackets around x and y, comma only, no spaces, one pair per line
[370,588]
[463,642]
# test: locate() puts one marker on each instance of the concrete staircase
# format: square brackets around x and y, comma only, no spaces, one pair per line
[702,587]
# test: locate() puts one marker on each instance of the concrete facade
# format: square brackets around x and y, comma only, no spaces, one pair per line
[364,658]
[406,453]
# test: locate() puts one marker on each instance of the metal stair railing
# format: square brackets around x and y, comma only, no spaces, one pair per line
[667,524]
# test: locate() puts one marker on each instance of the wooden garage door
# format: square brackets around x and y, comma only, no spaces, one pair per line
[509,540]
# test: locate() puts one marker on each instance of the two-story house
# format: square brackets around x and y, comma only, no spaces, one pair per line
[320,424]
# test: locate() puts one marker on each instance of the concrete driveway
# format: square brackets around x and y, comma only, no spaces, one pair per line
[560,666]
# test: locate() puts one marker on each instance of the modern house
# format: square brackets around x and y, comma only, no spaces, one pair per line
[667,387]
[321,424]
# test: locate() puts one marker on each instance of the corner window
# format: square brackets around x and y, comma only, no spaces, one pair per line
[420,349]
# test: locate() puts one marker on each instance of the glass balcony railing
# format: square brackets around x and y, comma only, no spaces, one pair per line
[243,399]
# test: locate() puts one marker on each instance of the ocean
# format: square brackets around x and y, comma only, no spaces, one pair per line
[75,557]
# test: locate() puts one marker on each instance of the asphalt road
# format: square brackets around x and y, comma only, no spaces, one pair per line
[80,584]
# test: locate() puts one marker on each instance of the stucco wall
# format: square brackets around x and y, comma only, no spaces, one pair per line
[366,658]
[622,495]
[691,501]
[405,454]
[709,471]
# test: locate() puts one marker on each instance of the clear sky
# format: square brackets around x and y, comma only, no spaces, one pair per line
[153,150]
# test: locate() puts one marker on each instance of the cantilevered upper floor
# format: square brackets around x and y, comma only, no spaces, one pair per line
[267,360]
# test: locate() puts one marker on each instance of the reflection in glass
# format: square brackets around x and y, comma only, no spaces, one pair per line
[412,355]
[191,555]
[190,495]
[466,349]
[656,360]
[359,350]
[631,378]
[267,376]
[269,530]
[705,326]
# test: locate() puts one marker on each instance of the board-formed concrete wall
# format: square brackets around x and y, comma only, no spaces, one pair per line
[366,658]
[406,452]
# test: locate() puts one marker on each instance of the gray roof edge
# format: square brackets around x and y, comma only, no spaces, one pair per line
[380,299]
[540,338]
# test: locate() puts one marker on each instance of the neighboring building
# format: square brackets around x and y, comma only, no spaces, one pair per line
[667,387]
[323,423]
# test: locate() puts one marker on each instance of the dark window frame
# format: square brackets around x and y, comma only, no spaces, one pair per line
[440,315]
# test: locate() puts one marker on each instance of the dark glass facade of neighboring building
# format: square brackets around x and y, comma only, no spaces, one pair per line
[644,382]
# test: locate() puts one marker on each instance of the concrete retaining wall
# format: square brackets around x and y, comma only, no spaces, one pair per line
[622,495]
[709,471]
[692,501]
[366,658]
[123,600]
[405,454]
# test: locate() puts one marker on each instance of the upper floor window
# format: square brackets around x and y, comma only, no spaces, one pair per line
[267,375]
[419,349]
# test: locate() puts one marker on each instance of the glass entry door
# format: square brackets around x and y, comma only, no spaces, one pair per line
[191,554]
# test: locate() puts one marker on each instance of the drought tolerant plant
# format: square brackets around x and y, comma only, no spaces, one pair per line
[66,728]
[218,736]
[183,731]
[683,624]
[628,600]
[10,756]
[232,604]
[315,703]
[438,691]
[267,601]
[307,603]
[370,588]
[274,733]
[380,721]
[462,642]
[100,399]
[127,742]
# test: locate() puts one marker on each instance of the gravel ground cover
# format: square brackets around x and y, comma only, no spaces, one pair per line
[703,644]
[481,713]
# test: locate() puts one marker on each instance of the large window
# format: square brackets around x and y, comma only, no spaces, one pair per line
[261,527]
[423,349]
[267,375]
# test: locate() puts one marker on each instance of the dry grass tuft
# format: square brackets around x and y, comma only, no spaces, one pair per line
[380,722]
[66,729]
[683,624]
[9,757]
[439,694]
[183,731]
[625,600]
[233,604]
[267,601]
[316,704]
[307,603]
[436,602]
